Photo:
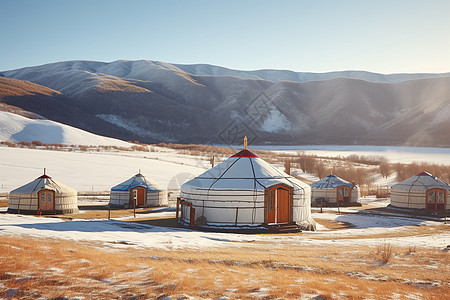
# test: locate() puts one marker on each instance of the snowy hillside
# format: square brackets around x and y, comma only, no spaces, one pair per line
[17,128]
[159,102]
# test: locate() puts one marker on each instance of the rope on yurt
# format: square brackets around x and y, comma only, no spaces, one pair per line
[217,179]
[31,196]
[410,187]
[255,191]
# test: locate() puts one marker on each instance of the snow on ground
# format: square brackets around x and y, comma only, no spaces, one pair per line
[139,235]
[94,171]
[99,171]
[114,232]
[17,128]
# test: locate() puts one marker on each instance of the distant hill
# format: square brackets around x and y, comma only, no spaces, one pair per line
[18,128]
[160,102]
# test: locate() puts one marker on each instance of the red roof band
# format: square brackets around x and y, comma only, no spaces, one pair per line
[245,153]
[423,174]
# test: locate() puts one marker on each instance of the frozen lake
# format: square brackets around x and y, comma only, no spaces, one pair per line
[392,153]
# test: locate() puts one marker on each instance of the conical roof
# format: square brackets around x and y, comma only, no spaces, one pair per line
[242,171]
[43,182]
[330,182]
[138,180]
[421,182]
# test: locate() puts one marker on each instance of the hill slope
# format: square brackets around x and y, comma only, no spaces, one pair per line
[154,101]
[17,128]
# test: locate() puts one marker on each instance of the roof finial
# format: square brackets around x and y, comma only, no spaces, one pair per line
[44,171]
[245,143]
[331,172]
[139,171]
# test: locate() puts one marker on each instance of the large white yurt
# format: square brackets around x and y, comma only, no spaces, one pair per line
[44,195]
[138,191]
[245,193]
[422,191]
[334,190]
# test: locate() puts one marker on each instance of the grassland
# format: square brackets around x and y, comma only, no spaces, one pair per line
[32,268]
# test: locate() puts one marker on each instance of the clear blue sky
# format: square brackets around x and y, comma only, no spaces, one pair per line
[384,36]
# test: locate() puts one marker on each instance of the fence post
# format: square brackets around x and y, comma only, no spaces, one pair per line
[192,218]
[178,207]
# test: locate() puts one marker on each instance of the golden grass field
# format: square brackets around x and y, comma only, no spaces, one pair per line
[33,268]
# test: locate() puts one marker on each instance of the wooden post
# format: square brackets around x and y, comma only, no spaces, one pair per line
[134,203]
[237,212]
[178,207]
[192,218]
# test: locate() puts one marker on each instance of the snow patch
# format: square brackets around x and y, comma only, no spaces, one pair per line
[18,128]
[276,122]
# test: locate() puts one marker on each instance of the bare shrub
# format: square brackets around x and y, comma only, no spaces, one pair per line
[320,170]
[385,252]
[382,192]
[37,143]
[410,250]
[385,169]
[307,163]
[287,166]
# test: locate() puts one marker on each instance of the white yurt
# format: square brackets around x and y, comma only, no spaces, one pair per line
[334,190]
[140,190]
[43,195]
[422,191]
[245,193]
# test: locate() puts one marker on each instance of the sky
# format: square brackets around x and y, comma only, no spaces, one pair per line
[382,36]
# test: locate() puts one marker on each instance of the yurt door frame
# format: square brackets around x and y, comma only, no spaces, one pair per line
[344,194]
[138,194]
[278,206]
[46,200]
[436,199]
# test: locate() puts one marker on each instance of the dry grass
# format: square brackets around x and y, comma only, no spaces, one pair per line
[103,213]
[4,203]
[55,268]
[333,224]
[404,232]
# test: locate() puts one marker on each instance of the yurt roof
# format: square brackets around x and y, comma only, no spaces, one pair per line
[421,182]
[330,182]
[43,182]
[243,171]
[138,180]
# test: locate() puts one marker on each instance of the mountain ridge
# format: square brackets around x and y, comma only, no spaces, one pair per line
[263,74]
[160,102]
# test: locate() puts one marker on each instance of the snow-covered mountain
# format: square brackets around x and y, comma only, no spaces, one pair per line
[148,70]
[17,128]
[155,101]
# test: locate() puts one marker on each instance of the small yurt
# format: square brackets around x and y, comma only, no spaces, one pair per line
[422,191]
[138,191]
[245,193]
[43,195]
[334,190]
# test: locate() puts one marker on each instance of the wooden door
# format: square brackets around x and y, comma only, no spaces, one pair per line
[343,194]
[138,195]
[282,205]
[436,200]
[46,200]
[278,206]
